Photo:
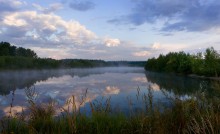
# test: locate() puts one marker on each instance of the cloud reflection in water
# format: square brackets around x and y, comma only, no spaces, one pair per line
[67,83]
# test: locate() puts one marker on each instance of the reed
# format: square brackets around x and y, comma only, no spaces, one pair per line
[196,115]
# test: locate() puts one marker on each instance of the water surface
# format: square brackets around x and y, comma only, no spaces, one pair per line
[125,85]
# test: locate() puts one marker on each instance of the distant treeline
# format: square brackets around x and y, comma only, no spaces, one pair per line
[12,57]
[99,63]
[206,63]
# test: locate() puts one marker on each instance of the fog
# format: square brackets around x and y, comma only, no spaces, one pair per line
[12,80]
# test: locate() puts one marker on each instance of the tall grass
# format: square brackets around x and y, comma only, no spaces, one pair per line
[197,115]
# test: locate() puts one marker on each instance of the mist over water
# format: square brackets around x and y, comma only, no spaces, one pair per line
[119,83]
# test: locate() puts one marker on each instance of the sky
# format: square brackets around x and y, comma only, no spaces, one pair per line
[110,29]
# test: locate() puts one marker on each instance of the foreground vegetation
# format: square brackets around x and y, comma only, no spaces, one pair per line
[196,115]
[207,63]
[12,57]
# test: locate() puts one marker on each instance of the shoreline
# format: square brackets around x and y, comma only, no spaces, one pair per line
[204,77]
[188,75]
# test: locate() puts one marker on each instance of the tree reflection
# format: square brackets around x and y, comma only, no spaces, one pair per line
[24,79]
[183,85]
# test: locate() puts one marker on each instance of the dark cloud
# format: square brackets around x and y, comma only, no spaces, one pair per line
[9,6]
[187,15]
[5,7]
[197,18]
[82,5]
[14,32]
[132,29]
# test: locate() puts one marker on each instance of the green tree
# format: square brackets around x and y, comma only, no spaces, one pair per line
[4,49]
[25,52]
[207,63]
[211,61]
[185,63]
[12,50]
[198,64]
[7,50]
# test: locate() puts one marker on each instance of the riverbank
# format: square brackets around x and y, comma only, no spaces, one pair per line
[204,77]
[189,75]
[185,116]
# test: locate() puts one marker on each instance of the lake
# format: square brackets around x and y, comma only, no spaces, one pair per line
[124,86]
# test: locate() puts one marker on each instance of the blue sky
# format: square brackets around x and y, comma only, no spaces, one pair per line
[110,29]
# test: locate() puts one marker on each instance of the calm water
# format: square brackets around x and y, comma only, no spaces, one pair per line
[119,83]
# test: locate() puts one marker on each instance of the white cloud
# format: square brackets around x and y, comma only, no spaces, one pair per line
[142,53]
[55,53]
[16,3]
[167,47]
[52,8]
[14,21]
[112,42]
[48,27]
[38,7]
[159,48]
[156,45]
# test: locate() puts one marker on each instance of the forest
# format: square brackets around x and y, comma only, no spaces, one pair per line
[203,63]
[12,57]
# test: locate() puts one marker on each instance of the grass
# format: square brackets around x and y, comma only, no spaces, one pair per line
[192,116]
